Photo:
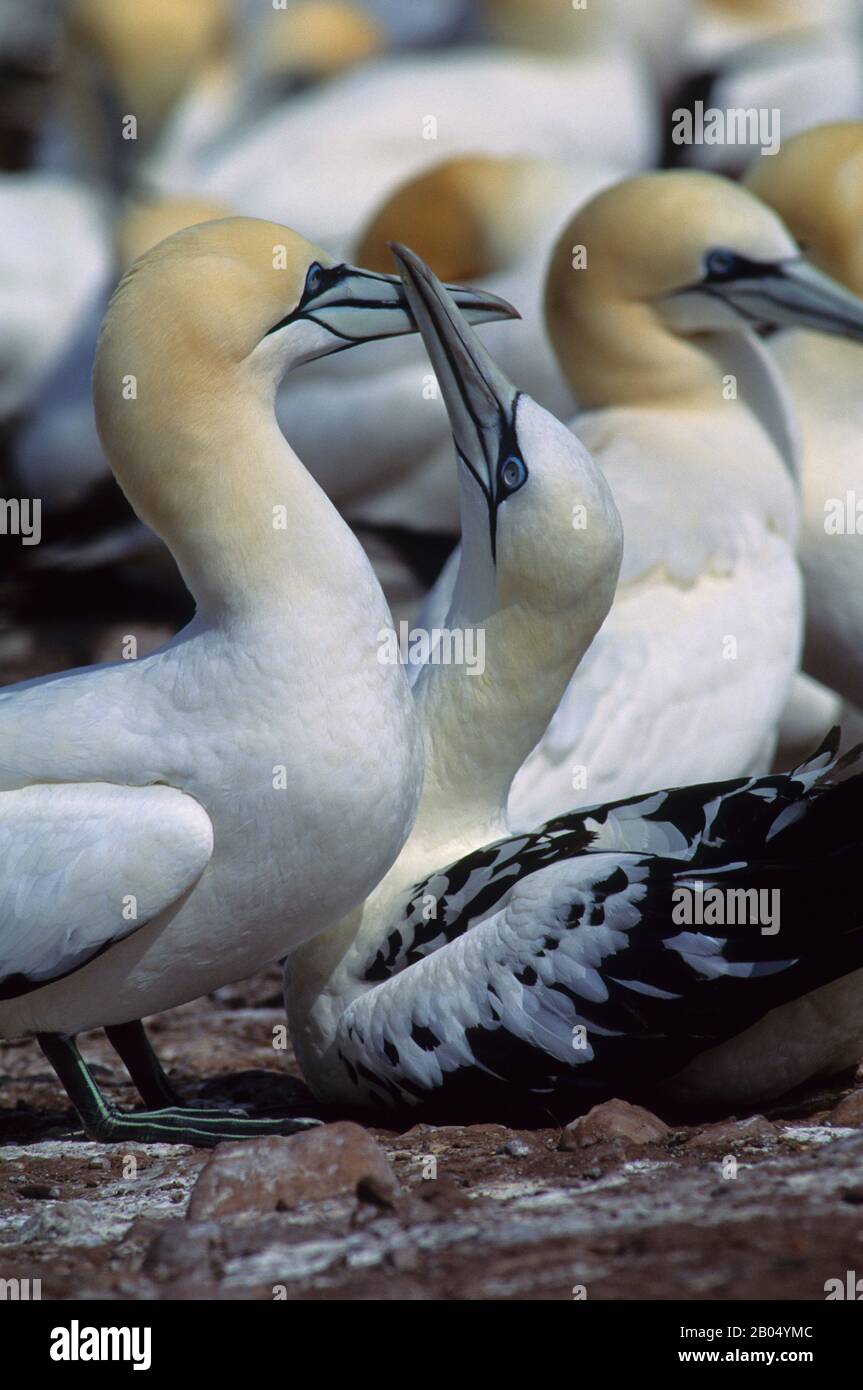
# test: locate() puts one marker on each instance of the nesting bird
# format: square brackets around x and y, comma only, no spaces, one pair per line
[488,971]
[171,824]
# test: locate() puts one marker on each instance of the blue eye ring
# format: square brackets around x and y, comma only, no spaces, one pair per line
[314,278]
[721,264]
[512,474]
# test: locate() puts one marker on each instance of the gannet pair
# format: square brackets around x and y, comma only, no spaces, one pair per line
[815,183]
[496,220]
[171,824]
[653,294]
[487,971]
[371,432]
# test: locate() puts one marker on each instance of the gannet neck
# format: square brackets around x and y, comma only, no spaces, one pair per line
[247,525]
[481,725]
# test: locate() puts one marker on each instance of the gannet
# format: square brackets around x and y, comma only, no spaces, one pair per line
[815,183]
[275,52]
[691,422]
[568,88]
[787,63]
[489,970]
[128,61]
[171,824]
[372,434]
[54,254]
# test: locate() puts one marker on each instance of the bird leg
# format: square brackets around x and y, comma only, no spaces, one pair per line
[136,1053]
[170,1125]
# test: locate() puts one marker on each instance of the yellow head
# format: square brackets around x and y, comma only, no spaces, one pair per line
[145,53]
[316,39]
[458,217]
[815,184]
[651,266]
[199,333]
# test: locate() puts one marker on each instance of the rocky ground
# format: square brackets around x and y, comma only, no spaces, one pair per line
[617,1206]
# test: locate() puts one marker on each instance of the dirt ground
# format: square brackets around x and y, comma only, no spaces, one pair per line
[499,1213]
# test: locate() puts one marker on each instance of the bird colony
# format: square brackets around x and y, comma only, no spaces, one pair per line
[432,534]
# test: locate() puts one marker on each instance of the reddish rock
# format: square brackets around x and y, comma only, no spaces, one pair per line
[614,1119]
[754,1127]
[849,1111]
[278,1174]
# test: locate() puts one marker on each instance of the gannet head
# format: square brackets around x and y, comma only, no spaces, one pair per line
[144,222]
[254,299]
[699,252]
[539,524]
[146,53]
[467,217]
[313,40]
[815,184]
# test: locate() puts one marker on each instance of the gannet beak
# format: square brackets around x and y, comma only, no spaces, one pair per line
[360,306]
[788,292]
[481,402]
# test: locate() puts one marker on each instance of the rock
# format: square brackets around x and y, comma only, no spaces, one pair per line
[516,1148]
[849,1111]
[754,1128]
[278,1174]
[614,1119]
[182,1250]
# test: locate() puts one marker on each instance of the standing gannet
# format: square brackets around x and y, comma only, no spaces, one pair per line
[171,824]
[652,295]
[815,183]
[488,970]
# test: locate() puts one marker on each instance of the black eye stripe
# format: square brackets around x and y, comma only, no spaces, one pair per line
[722,266]
[319,279]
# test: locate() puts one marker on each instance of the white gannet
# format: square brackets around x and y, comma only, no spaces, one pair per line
[652,297]
[54,255]
[771,68]
[274,53]
[171,824]
[815,183]
[566,85]
[124,69]
[488,970]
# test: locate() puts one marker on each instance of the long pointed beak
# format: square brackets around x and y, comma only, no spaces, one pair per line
[364,305]
[795,293]
[480,400]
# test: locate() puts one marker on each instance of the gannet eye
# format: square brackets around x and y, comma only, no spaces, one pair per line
[513,473]
[314,279]
[720,264]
